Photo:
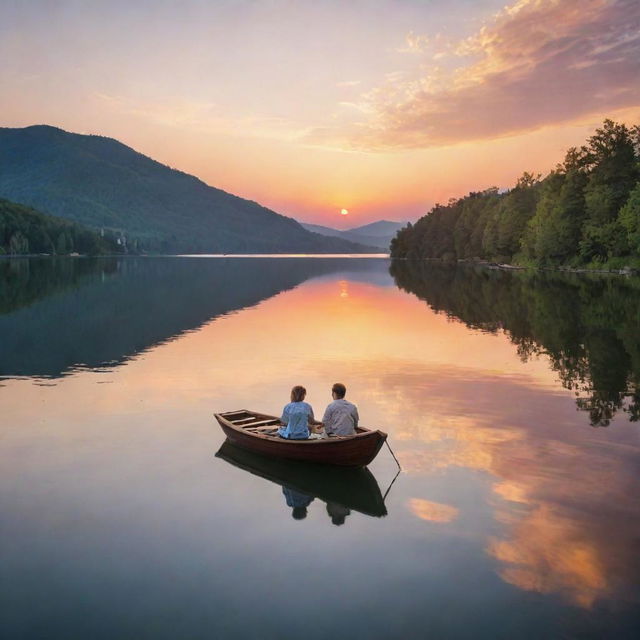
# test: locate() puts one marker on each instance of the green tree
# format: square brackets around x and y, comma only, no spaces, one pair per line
[18,244]
[569,214]
[471,223]
[516,209]
[490,234]
[554,233]
[539,238]
[613,171]
[61,244]
[629,220]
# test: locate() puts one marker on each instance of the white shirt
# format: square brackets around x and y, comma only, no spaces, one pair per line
[341,418]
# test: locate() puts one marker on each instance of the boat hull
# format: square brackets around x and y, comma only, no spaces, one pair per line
[348,451]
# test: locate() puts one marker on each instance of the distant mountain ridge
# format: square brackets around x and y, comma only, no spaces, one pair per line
[102,183]
[377,234]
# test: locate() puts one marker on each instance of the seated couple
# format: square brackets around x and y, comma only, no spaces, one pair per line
[340,418]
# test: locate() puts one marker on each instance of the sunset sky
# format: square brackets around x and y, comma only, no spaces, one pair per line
[380,107]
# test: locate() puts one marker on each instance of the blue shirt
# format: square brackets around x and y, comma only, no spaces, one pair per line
[296,498]
[296,419]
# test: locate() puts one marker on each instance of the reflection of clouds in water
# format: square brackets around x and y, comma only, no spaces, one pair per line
[510,491]
[432,511]
[564,493]
[549,553]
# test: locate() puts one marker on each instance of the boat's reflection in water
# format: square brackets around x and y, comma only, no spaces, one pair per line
[343,489]
[299,501]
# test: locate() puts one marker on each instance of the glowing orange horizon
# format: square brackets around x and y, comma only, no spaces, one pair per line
[306,109]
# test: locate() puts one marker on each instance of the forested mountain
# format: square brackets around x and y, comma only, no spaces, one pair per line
[376,234]
[104,184]
[585,211]
[24,230]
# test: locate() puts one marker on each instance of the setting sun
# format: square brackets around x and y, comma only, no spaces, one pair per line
[344,212]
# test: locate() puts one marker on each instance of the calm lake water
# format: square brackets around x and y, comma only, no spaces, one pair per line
[510,399]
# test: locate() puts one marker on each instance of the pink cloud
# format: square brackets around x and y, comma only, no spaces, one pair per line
[538,63]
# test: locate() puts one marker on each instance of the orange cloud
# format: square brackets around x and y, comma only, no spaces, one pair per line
[414,43]
[539,63]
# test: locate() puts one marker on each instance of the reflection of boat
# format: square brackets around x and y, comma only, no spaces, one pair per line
[255,431]
[354,489]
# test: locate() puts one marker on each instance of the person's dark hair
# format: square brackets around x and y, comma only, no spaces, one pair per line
[299,513]
[339,389]
[298,393]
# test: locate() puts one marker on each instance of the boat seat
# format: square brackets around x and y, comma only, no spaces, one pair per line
[258,423]
[240,421]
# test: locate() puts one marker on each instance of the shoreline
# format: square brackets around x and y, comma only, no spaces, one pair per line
[487,264]
[625,271]
[377,256]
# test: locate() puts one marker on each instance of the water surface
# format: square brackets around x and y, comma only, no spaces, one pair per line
[511,401]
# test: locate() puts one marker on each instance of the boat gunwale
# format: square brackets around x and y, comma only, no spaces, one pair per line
[332,440]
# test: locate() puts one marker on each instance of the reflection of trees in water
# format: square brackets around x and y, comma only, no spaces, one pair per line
[23,281]
[586,325]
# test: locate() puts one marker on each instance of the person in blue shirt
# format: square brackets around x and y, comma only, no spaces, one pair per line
[297,416]
[298,502]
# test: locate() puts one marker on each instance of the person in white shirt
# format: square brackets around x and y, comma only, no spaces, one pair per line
[341,417]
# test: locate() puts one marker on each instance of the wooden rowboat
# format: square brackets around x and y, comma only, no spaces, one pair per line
[255,431]
[353,488]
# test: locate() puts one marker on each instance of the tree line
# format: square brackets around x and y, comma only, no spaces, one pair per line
[26,231]
[584,212]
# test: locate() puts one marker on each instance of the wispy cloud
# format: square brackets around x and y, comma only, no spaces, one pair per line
[414,43]
[172,112]
[536,63]
[204,117]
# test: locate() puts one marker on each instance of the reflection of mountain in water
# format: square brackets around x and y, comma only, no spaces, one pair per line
[58,314]
[588,326]
[342,488]
[23,281]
